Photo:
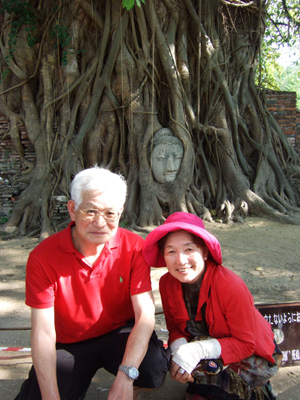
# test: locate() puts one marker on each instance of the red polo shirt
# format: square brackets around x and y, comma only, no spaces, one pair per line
[88,302]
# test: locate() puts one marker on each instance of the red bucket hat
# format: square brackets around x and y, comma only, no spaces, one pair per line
[176,222]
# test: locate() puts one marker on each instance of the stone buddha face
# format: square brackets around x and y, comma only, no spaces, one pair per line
[166,156]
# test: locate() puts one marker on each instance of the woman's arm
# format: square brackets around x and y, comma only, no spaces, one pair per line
[234,318]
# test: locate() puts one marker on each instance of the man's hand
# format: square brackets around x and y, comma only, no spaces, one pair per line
[137,344]
[122,388]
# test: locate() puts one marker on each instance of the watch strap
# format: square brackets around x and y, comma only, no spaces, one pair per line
[131,372]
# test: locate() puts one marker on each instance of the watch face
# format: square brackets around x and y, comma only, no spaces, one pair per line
[133,373]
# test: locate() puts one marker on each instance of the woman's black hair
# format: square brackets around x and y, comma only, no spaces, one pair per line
[161,243]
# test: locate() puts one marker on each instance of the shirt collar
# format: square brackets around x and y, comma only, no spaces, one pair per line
[66,243]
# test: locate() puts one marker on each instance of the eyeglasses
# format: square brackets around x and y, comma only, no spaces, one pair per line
[92,214]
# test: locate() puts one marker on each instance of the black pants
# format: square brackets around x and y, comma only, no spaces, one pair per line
[78,362]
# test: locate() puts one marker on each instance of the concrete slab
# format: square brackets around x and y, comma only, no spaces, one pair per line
[14,368]
[15,365]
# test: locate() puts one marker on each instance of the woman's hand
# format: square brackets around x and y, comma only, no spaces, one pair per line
[190,354]
[179,375]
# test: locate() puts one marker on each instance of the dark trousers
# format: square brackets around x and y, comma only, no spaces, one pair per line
[78,362]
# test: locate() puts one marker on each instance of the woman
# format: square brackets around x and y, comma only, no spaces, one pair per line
[221,345]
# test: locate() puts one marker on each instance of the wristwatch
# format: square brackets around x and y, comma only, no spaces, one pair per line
[131,372]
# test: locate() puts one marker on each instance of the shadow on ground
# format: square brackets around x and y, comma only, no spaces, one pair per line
[15,366]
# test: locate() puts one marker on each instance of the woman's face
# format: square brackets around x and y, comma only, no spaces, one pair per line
[184,259]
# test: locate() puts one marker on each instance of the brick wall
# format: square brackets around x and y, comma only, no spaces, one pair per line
[12,174]
[11,168]
[297,134]
[282,106]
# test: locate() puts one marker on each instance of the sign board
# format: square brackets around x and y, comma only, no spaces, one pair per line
[285,322]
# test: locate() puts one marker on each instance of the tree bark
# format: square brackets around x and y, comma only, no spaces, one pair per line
[186,65]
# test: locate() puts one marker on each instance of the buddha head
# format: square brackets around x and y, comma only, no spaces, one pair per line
[166,155]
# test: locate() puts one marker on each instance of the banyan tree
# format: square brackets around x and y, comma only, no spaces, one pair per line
[93,83]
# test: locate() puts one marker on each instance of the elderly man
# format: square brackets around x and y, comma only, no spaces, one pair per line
[89,290]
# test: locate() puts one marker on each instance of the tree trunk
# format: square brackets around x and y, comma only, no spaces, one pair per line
[100,82]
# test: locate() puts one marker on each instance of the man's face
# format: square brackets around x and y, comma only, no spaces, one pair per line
[94,230]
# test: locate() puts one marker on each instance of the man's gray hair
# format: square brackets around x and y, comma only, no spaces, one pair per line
[100,180]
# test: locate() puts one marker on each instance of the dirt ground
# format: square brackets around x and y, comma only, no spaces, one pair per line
[264,253]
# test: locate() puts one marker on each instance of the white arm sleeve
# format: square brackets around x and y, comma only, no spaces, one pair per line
[189,355]
[176,344]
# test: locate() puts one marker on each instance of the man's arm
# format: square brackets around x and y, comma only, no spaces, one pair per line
[43,338]
[137,344]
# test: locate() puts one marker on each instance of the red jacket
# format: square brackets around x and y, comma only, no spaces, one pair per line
[231,315]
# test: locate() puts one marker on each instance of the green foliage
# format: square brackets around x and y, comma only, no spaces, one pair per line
[124,224]
[282,28]
[22,14]
[4,73]
[283,22]
[289,79]
[63,39]
[268,66]
[129,4]
[276,76]
[3,219]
